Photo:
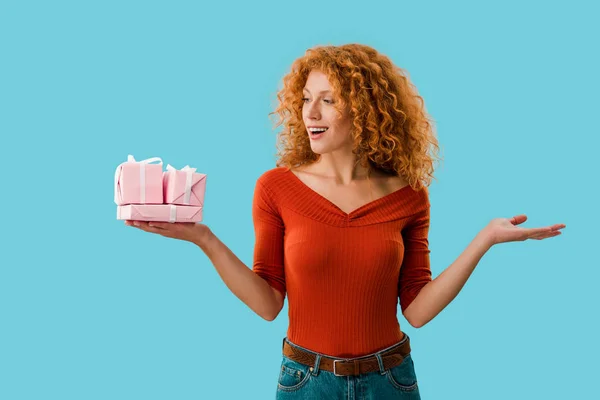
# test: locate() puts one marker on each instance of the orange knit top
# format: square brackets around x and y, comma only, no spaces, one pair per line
[343,273]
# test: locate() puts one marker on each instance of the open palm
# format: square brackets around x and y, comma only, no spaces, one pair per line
[193,232]
[502,230]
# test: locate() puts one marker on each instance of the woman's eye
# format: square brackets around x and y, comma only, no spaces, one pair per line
[304,99]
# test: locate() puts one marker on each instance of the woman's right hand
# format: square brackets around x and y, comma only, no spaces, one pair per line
[192,232]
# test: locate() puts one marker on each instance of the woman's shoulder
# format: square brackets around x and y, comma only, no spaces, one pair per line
[272,174]
[272,179]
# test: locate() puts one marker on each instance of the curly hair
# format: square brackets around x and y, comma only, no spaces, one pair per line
[391,129]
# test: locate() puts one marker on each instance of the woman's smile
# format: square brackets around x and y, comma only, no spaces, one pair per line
[316,133]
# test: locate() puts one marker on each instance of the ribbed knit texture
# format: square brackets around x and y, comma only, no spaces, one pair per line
[343,273]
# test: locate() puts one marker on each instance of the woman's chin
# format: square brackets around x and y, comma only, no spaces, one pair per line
[317,148]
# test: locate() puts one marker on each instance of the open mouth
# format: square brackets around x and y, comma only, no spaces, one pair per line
[317,133]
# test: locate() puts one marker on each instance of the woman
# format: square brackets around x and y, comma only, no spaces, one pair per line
[342,228]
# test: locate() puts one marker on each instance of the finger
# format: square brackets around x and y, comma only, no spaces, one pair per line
[160,225]
[554,228]
[518,219]
[134,223]
[539,231]
[558,226]
[545,235]
[145,227]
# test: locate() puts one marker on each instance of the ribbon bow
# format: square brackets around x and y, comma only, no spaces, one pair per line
[188,182]
[142,163]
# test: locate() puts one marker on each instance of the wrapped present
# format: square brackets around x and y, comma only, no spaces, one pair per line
[159,212]
[184,186]
[139,182]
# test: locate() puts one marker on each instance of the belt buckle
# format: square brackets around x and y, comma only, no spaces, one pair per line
[334,361]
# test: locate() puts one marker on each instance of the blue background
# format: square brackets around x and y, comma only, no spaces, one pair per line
[92,309]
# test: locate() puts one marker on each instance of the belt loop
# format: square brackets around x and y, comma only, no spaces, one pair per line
[380,362]
[315,369]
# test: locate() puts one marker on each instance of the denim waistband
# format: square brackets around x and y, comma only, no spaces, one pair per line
[404,339]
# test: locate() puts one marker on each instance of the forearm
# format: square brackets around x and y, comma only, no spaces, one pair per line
[438,293]
[250,288]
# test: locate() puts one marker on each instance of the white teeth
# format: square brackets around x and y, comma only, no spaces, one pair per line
[316,130]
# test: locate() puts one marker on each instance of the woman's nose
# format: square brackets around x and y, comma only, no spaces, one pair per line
[313,111]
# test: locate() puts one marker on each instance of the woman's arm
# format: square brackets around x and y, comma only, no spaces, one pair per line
[253,290]
[438,293]
[250,288]
[262,288]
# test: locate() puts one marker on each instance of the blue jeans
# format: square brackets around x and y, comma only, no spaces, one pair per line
[297,381]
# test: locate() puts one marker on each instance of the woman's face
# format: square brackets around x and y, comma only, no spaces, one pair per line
[318,111]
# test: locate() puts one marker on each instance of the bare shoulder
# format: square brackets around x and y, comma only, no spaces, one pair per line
[309,175]
[387,181]
[303,169]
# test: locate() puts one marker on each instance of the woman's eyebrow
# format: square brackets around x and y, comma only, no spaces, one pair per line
[322,91]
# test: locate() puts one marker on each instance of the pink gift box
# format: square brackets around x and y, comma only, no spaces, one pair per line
[184,187]
[159,212]
[139,182]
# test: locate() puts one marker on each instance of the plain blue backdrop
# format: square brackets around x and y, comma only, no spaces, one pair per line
[92,309]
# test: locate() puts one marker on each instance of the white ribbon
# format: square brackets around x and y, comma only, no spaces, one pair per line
[172,213]
[188,182]
[142,163]
[142,183]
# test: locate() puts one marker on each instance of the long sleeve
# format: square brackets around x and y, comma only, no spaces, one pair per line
[269,230]
[415,271]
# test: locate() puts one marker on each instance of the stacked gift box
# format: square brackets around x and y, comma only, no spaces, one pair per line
[144,192]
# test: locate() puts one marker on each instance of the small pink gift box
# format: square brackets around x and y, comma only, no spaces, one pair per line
[184,187]
[139,182]
[159,212]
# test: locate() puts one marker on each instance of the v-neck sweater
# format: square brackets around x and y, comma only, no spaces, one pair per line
[343,273]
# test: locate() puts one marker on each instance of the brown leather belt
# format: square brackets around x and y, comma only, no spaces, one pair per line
[339,367]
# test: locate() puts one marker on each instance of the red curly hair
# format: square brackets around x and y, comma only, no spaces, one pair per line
[391,129]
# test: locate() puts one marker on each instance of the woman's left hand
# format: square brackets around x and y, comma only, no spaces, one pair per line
[502,230]
[193,232]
